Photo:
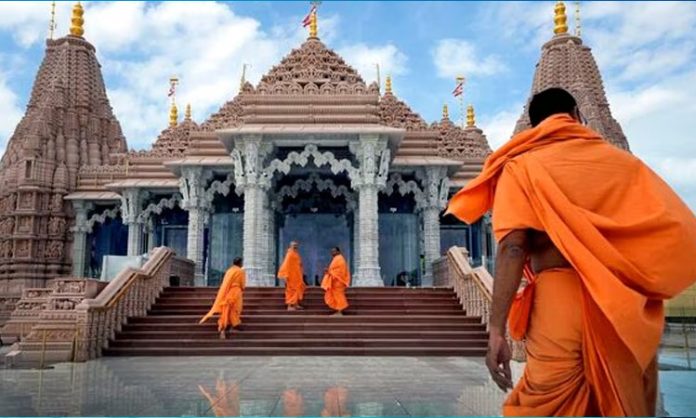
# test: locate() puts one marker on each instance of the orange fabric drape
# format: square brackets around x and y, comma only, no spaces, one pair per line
[291,271]
[229,301]
[335,282]
[628,236]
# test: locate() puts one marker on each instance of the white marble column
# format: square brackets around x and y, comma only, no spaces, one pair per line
[356,237]
[80,230]
[371,175]
[131,206]
[248,157]
[192,186]
[436,185]
[272,247]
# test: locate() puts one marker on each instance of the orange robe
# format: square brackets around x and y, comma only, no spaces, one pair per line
[630,241]
[225,402]
[335,402]
[335,282]
[291,271]
[229,301]
[293,403]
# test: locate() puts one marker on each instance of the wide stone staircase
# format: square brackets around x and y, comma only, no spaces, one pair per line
[379,322]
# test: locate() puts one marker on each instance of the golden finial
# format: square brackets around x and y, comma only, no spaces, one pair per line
[173,115]
[445,112]
[560,19]
[52,24]
[187,115]
[470,116]
[77,22]
[313,29]
[388,85]
[577,18]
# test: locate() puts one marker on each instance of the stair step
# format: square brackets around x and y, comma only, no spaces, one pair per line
[298,351]
[309,334]
[211,325]
[295,317]
[233,341]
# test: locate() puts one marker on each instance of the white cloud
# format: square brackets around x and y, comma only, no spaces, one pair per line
[28,21]
[500,126]
[457,56]
[10,111]
[363,58]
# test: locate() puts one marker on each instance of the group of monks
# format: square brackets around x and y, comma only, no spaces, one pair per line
[601,242]
[229,300]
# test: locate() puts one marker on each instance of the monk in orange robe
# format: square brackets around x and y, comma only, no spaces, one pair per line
[336,280]
[229,302]
[602,241]
[225,401]
[292,272]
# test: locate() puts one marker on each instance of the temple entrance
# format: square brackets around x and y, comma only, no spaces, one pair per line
[317,233]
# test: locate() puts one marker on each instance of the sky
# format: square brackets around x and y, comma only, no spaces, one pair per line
[645,51]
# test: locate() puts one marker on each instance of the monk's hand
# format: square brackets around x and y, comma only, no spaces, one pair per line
[498,360]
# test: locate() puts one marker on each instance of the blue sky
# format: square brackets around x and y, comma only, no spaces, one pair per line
[646,52]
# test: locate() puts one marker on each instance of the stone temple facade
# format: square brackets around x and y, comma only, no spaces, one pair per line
[311,153]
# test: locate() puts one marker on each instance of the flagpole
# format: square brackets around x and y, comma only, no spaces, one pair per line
[379,78]
[460,81]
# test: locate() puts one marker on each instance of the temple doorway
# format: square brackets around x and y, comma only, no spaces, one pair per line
[317,233]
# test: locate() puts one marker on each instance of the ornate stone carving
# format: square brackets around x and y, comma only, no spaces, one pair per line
[315,181]
[54,250]
[395,113]
[56,226]
[302,159]
[458,143]
[157,208]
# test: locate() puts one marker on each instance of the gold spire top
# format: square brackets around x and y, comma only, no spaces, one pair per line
[577,18]
[470,116]
[187,115]
[445,112]
[560,19]
[313,29]
[52,23]
[77,22]
[173,115]
[388,85]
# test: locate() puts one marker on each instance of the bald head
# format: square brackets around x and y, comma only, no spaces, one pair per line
[294,245]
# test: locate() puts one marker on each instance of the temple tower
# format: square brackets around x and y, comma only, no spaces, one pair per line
[68,124]
[567,63]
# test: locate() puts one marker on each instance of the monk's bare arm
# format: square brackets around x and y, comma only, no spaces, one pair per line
[513,252]
[509,262]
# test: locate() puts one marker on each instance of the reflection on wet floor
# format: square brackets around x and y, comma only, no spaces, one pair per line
[253,386]
[276,386]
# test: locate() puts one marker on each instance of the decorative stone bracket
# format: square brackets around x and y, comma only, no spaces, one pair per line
[321,184]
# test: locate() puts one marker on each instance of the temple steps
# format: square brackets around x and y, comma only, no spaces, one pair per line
[379,322]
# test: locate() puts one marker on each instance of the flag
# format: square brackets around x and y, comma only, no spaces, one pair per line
[458,89]
[172,88]
[308,19]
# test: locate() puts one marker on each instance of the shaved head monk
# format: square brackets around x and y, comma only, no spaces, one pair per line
[602,241]
[292,272]
[229,302]
[336,280]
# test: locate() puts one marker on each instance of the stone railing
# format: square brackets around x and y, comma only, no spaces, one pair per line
[78,319]
[130,294]
[473,286]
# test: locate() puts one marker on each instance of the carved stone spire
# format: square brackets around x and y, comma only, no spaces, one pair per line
[68,124]
[565,62]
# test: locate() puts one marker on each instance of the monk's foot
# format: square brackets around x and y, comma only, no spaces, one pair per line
[339,313]
[291,308]
[222,335]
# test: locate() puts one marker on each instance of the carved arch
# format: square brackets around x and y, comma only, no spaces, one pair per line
[397,183]
[302,159]
[157,208]
[314,181]
[100,218]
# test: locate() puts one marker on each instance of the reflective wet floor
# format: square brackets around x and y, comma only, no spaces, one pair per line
[273,386]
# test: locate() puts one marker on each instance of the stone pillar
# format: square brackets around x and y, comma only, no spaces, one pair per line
[272,242]
[248,157]
[131,205]
[436,186]
[150,235]
[80,230]
[371,175]
[194,200]
[356,237]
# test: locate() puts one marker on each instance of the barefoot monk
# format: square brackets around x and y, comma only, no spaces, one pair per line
[336,280]
[292,272]
[602,242]
[228,302]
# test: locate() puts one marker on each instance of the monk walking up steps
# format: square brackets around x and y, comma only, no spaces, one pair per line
[602,241]
[229,301]
[336,280]
[292,272]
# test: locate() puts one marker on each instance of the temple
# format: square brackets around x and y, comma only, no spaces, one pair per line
[310,153]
